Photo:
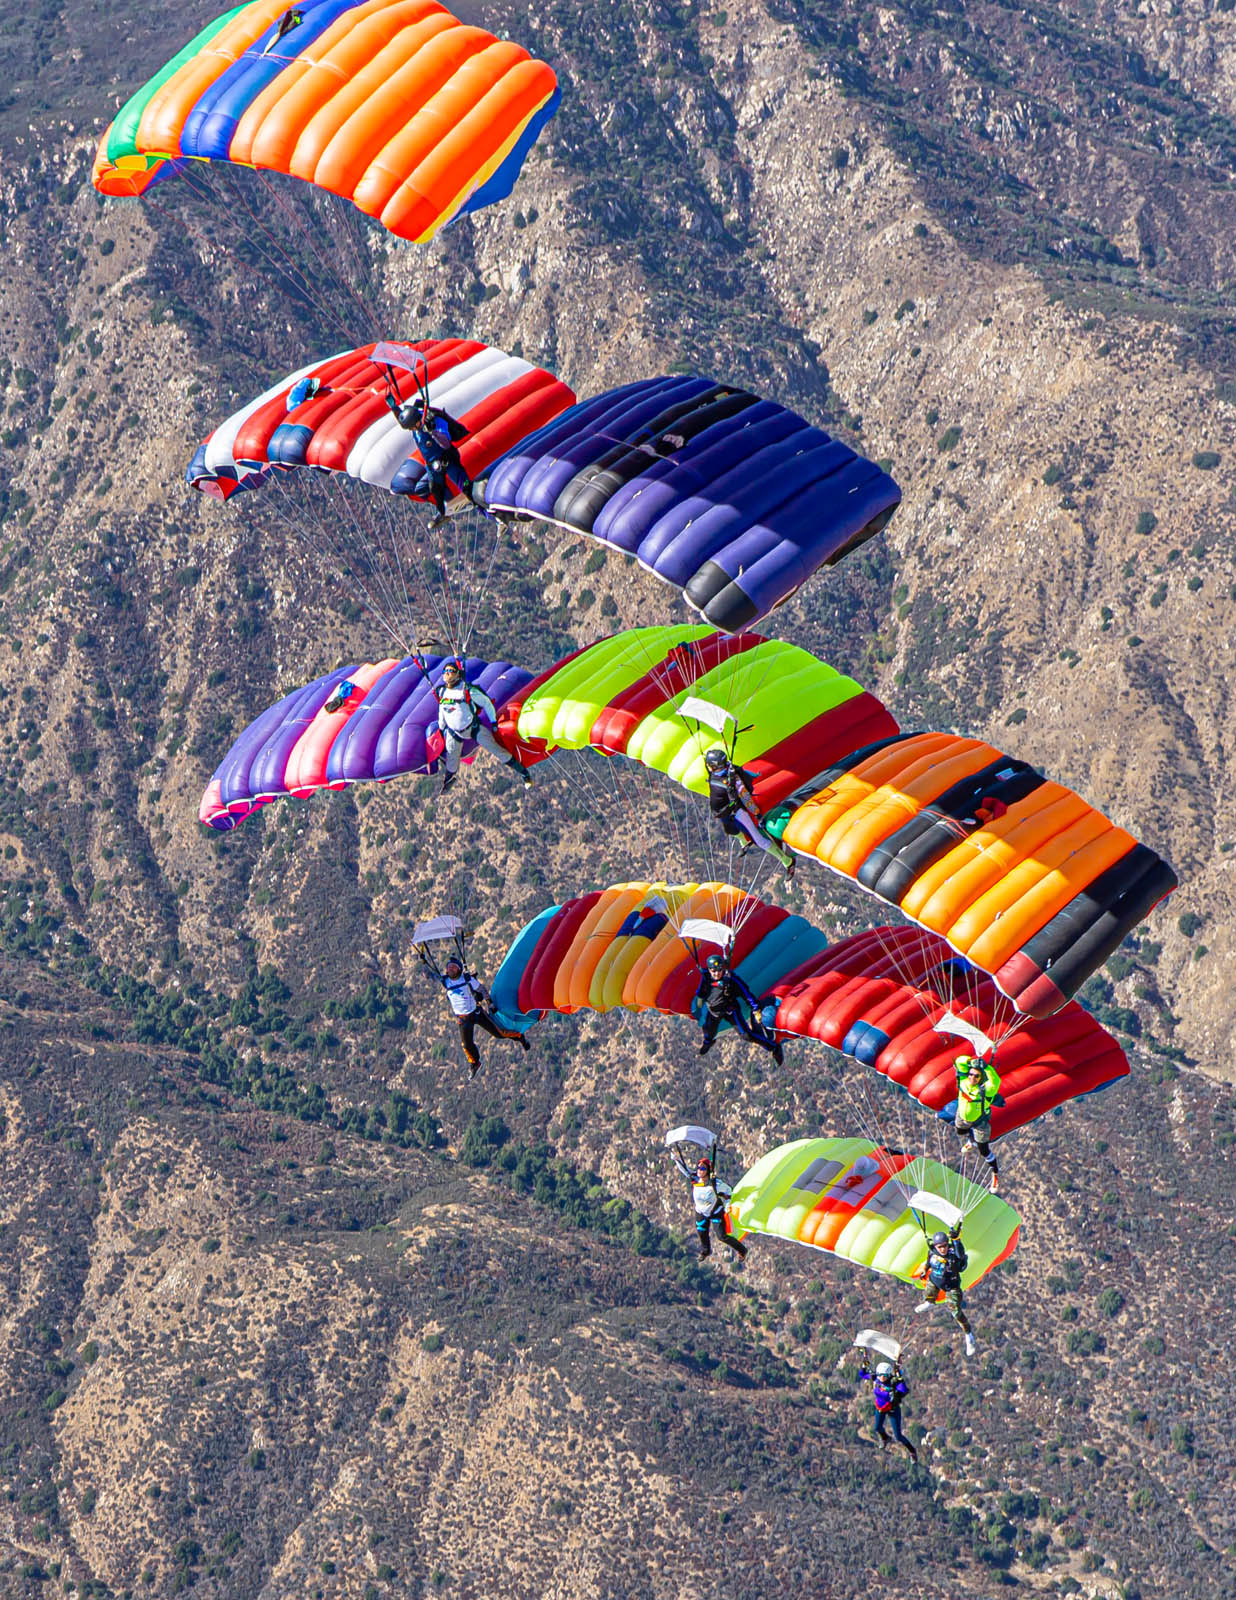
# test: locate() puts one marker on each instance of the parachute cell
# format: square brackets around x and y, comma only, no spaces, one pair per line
[396,105]
[852,1198]
[734,500]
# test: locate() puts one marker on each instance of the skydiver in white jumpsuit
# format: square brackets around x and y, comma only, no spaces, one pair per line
[461,707]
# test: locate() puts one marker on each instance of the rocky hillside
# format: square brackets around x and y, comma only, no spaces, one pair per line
[288,1307]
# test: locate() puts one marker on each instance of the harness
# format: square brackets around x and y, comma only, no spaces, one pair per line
[723,796]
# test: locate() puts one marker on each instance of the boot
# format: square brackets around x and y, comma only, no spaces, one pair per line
[995,1181]
[448,779]
[910,1450]
[707,1046]
[778,1054]
[970,1344]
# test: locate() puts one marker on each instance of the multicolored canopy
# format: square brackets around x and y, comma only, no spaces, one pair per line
[396,105]
[385,725]
[852,1198]
[333,415]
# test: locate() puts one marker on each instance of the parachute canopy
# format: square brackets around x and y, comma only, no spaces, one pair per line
[732,499]
[852,1198]
[333,415]
[631,695]
[881,996]
[870,996]
[691,1133]
[386,724]
[396,105]
[1018,873]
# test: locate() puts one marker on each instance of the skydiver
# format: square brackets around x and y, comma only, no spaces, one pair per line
[437,436]
[461,705]
[978,1089]
[471,1005]
[723,995]
[941,1278]
[733,804]
[888,1389]
[710,1195]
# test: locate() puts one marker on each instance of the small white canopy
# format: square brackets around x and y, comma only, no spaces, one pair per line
[710,932]
[714,717]
[436,928]
[949,1023]
[689,1133]
[388,354]
[879,1343]
[936,1206]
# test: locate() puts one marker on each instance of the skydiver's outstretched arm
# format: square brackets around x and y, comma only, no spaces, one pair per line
[682,1166]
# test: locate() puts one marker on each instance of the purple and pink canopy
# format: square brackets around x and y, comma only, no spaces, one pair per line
[386,725]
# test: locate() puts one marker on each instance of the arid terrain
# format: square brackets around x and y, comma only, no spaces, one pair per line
[288,1307]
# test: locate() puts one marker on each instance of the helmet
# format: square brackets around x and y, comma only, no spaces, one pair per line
[452,668]
[456,963]
[939,1238]
[715,963]
[884,1370]
[715,758]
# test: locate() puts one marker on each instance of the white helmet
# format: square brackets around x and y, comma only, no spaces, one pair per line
[884,1370]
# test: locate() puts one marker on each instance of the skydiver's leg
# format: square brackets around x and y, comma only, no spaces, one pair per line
[894,1417]
[952,1299]
[701,1227]
[751,827]
[710,1025]
[451,752]
[496,1030]
[467,1034]
[435,482]
[752,1028]
[736,1245]
[487,741]
[980,1137]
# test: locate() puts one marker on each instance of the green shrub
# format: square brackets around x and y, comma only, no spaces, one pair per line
[1147,522]
[1207,460]
[948,439]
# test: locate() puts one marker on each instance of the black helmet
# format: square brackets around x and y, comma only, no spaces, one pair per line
[453,666]
[456,963]
[715,963]
[939,1238]
[715,758]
